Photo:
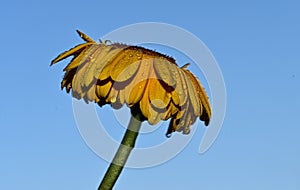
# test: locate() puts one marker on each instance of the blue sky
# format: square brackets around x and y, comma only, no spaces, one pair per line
[256,44]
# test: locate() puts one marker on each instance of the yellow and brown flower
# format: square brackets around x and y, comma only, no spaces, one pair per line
[146,81]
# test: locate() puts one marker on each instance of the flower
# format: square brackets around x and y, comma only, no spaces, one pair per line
[146,81]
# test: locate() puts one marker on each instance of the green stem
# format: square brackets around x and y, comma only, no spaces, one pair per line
[122,154]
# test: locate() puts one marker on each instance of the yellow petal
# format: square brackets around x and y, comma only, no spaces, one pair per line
[97,61]
[192,94]
[177,121]
[112,96]
[171,111]
[103,88]
[116,98]
[76,61]
[78,77]
[105,60]
[127,66]
[145,104]
[112,59]
[179,95]
[90,94]
[154,116]
[76,83]
[90,64]
[85,37]
[203,98]
[124,70]
[158,96]
[121,97]
[134,93]
[162,69]
[70,52]
[136,88]
[67,80]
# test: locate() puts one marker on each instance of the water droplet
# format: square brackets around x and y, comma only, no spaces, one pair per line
[113,99]
[187,131]
[140,86]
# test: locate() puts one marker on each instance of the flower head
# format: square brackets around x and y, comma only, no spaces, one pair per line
[146,81]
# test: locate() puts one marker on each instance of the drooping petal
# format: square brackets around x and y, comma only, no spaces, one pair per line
[103,88]
[90,94]
[115,56]
[85,37]
[163,72]
[70,52]
[89,73]
[172,110]
[111,55]
[180,94]
[78,59]
[127,66]
[154,116]
[98,59]
[67,80]
[158,96]
[76,83]
[193,97]
[145,104]
[75,77]
[136,88]
[112,96]
[205,112]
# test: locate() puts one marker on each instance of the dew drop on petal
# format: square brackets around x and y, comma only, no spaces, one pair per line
[138,55]
[187,131]
[130,73]
[113,99]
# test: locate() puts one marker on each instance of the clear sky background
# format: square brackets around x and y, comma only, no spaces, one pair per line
[256,44]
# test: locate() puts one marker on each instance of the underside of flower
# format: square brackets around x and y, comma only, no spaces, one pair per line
[146,81]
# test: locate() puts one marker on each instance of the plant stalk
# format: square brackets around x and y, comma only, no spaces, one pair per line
[127,144]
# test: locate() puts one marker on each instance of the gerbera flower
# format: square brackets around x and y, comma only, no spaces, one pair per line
[146,81]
